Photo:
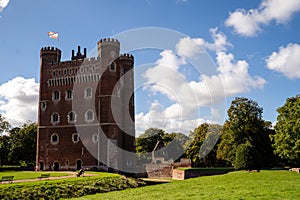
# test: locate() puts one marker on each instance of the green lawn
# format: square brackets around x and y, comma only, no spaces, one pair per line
[22,175]
[234,185]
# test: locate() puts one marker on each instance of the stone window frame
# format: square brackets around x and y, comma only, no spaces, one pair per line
[56,95]
[52,118]
[71,121]
[53,73]
[87,116]
[43,105]
[52,139]
[112,67]
[67,95]
[65,72]
[88,93]
[95,138]
[70,71]
[73,138]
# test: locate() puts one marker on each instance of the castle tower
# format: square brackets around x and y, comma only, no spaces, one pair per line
[59,144]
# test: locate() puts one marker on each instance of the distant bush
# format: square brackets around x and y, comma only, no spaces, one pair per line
[67,188]
[246,157]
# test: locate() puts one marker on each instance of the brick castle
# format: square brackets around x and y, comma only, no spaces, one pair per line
[86,109]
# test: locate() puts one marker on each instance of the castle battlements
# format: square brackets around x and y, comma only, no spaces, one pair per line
[109,40]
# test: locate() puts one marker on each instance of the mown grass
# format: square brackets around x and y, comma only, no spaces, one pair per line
[234,185]
[66,188]
[23,175]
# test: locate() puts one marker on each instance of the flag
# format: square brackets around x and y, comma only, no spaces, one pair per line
[53,35]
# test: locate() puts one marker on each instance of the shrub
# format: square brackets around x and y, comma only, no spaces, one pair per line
[246,157]
[67,188]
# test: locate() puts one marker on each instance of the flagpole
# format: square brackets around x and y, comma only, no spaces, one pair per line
[58,41]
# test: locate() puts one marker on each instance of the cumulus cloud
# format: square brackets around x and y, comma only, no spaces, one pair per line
[19,100]
[3,4]
[249,22]
[190,47]
[286,61]
[187,96]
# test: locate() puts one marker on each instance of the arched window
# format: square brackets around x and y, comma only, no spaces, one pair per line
[112,67]
[56,96]
[69,95]
[55,118]
[71,117]
[89,116]
[54,138]
[88,93]
[75,138]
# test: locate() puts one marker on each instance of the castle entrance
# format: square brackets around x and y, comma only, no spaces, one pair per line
[41,166]
[78,164]
[55,166]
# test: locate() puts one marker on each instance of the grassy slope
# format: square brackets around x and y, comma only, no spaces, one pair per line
[234,185]
[22,175]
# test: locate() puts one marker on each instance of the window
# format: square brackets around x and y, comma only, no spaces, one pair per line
[88,93]
[70,72]
[56,96]
[65,72]
[69,95]
[53,73]
[71,117]
[95,138]
[93,69]
[75,138]
[43,105]
[55,118]
[81,70]
[112,67]
[89,116]
[54,139]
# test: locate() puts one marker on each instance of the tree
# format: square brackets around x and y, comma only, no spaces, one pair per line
[23,145]
[245,126]
[146,142]
[246,157]
[173,144]
[4,126]
[286,140]
[202,148]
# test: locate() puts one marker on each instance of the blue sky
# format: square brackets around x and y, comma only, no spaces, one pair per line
[254,46]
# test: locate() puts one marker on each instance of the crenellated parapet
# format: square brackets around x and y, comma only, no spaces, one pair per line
[126,56]
[110,41]
[50,54]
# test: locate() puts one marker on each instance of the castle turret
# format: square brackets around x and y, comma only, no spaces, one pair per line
[108,50]
[79,55]
[50,54]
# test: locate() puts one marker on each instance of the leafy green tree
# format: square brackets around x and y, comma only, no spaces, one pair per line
[23,145]
[245,125]
[146,142]
[4,140]
[202,148]
[286,140]
[173,144]
[246,157]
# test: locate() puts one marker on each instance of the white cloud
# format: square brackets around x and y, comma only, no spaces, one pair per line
[19,100]
[286,61]
[190,47]
[248,23]
[231,78]
[3,4]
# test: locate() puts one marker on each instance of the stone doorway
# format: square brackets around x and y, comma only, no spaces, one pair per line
[41,166]
[78,164]
[56,166]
